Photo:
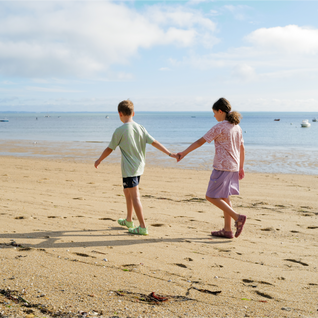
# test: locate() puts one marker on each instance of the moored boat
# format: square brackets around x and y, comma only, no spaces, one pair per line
[305,123]
[4,120]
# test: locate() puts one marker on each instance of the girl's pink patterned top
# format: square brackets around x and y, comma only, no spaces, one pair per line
[227,140]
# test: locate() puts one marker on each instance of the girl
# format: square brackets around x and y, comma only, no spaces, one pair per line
[228,164]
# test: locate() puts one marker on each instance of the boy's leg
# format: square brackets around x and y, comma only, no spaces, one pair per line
[129,204]
[135,198]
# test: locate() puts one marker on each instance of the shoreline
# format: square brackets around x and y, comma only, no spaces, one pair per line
[258,160]
[63,252]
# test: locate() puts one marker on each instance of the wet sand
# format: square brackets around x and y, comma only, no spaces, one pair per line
[63,254]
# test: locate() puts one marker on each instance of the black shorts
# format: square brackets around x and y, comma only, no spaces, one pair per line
[131,182]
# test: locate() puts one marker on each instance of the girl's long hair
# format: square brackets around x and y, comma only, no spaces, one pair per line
[231,116]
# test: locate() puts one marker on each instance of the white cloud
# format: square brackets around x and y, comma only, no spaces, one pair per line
[51,89]
[290,39]
[238,11]
[86,38]
[288,53]
[196,2]
[244,71]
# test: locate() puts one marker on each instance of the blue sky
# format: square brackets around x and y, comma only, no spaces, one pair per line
[163,55]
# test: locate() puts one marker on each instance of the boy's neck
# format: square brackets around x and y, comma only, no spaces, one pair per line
[126,119]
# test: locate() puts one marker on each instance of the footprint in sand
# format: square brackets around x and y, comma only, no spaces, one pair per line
[263,294]
[268,229]
[295,261]
[181,265]
[106,219]
[84,255]
[249,281]
[158,224]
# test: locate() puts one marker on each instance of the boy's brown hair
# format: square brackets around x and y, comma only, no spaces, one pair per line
[126,107]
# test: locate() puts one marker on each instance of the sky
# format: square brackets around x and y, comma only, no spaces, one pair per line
[163,55]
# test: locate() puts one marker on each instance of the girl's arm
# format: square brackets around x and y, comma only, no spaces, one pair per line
[242,159]
[105,154]
[192,147]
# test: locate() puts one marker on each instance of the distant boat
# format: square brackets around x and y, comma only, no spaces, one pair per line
[4,120]
[315,119]
[106,117]
[277,119]
[305,123]
[193,116]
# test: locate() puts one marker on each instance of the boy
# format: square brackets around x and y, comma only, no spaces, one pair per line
[132,139]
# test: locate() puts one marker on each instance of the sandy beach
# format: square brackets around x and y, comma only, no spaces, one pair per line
[63,254]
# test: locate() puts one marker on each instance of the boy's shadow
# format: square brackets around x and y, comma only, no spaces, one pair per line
[55,239]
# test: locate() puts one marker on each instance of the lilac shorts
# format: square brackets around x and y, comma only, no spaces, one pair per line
[223,184]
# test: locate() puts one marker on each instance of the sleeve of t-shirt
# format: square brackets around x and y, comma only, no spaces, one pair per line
[115,140]
[212,133]
[149,138]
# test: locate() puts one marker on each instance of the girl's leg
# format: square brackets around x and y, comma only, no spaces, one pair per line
[227,217]
[226,206]
[129,204]
[135,198]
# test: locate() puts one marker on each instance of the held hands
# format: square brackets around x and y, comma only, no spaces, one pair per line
[174,155]
[180,155]
[177,156]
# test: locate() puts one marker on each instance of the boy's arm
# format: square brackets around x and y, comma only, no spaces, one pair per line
[162,148]
[105,154]
[192,147]
[242,159]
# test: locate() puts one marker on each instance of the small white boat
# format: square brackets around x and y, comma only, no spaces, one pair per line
[315,119]
[4,120]
[305,123]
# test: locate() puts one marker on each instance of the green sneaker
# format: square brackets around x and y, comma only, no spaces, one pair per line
[124,222]
[138,230]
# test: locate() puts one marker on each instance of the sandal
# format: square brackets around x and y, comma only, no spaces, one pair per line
[139,230]
[124,222]
[239,224]
[223,233]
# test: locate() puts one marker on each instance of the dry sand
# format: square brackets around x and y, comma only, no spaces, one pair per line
[63,254]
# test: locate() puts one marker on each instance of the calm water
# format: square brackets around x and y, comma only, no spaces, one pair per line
[272,146]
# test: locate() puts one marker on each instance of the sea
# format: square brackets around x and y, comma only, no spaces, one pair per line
[275,142]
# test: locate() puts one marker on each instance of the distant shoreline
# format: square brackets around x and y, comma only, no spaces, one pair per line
[262,160]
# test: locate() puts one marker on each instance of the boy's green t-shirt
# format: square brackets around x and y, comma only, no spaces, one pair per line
[131,139]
